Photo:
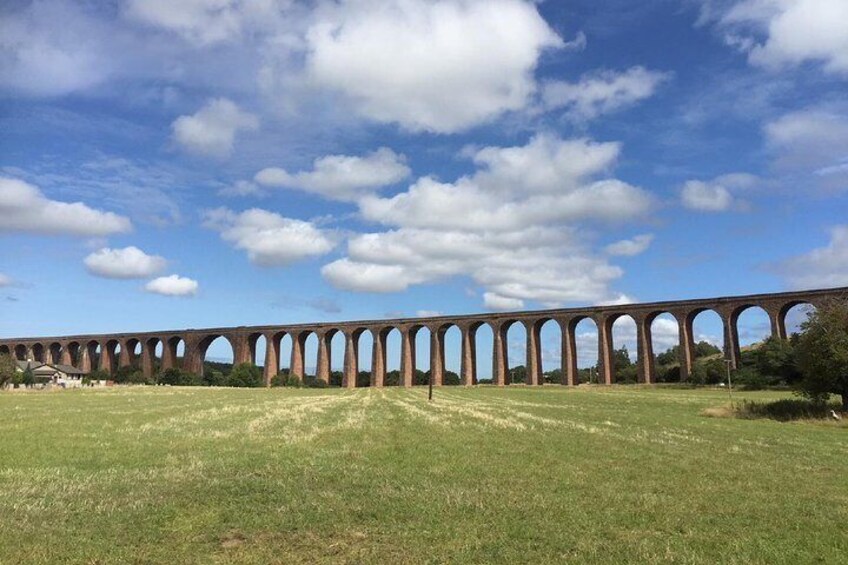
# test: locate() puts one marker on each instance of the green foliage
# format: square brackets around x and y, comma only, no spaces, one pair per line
[392,378]
[672,355]
[224,368]
[451,379]
[363,379]
[554,377]
[518,374]
[311,381]
[128,374]
[28,377]
[625,370]
[822,353]
[336,378]
[785,410]
[245,375]
[99,375]
[177,377]
[420,378]
[709,372]
[668,374]
[214,378]
[8,369]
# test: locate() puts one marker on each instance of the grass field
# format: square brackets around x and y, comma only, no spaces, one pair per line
[603,475]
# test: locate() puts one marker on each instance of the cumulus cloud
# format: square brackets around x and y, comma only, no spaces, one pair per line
[717,195]
[23,207]
[440,66]
[706,197]
[268,238]
[494,301]
[790,32]
[342,177]
[822,267]
[630,247]
[172,285]
[511,226]
[212,129]
[541,182]
[127,263]
[601,92]
[813,140]
[52,48]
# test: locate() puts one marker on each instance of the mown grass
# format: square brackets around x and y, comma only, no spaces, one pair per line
[596,475]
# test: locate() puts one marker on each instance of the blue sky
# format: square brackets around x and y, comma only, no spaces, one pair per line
[235,163]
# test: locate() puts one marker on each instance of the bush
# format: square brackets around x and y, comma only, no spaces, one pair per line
[363,379]
[177,377]
[786,409]
[392,378]
[311,381]
[245,375]
[336,378]
[214,378]
[668,374]
[451,379]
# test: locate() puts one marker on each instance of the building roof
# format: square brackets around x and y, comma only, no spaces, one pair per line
[24,365]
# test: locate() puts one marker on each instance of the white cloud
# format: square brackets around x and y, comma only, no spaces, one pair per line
[542,182]
[630,247]
[795,31]
[207,22]
[440,66]
[494,301]
[172,285]
[52,48]
[212,129]
[601,92]
[127,263]
[822,267]
[428,313]
[5,280]
[268,238]
[812,138]
[706,197]
[341,177]
[511,226]
[717,195]
[24,208]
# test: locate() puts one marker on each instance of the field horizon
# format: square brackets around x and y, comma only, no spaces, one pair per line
[482,474]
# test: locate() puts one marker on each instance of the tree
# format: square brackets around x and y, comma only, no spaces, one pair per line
[624,368]
[28,378]
[518,374]
[245,375]
[776,358]
[8,369]
[822,353]
[451,379]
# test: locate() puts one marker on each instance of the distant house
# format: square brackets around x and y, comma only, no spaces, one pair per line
[54,374]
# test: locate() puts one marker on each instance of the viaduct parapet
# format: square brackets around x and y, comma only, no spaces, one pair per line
[108,352]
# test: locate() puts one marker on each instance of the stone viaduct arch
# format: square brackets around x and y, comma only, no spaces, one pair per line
[112,351]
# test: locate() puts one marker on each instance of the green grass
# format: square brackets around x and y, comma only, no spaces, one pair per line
[597,475]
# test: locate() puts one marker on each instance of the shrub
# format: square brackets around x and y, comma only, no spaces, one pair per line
[786,409]
[363,379]
[451,379]
[336,378]
[245,375]
[392,378]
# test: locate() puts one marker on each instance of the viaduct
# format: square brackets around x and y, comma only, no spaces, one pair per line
[110,351]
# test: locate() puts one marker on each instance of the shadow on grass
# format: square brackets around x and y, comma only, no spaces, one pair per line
[785,410]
